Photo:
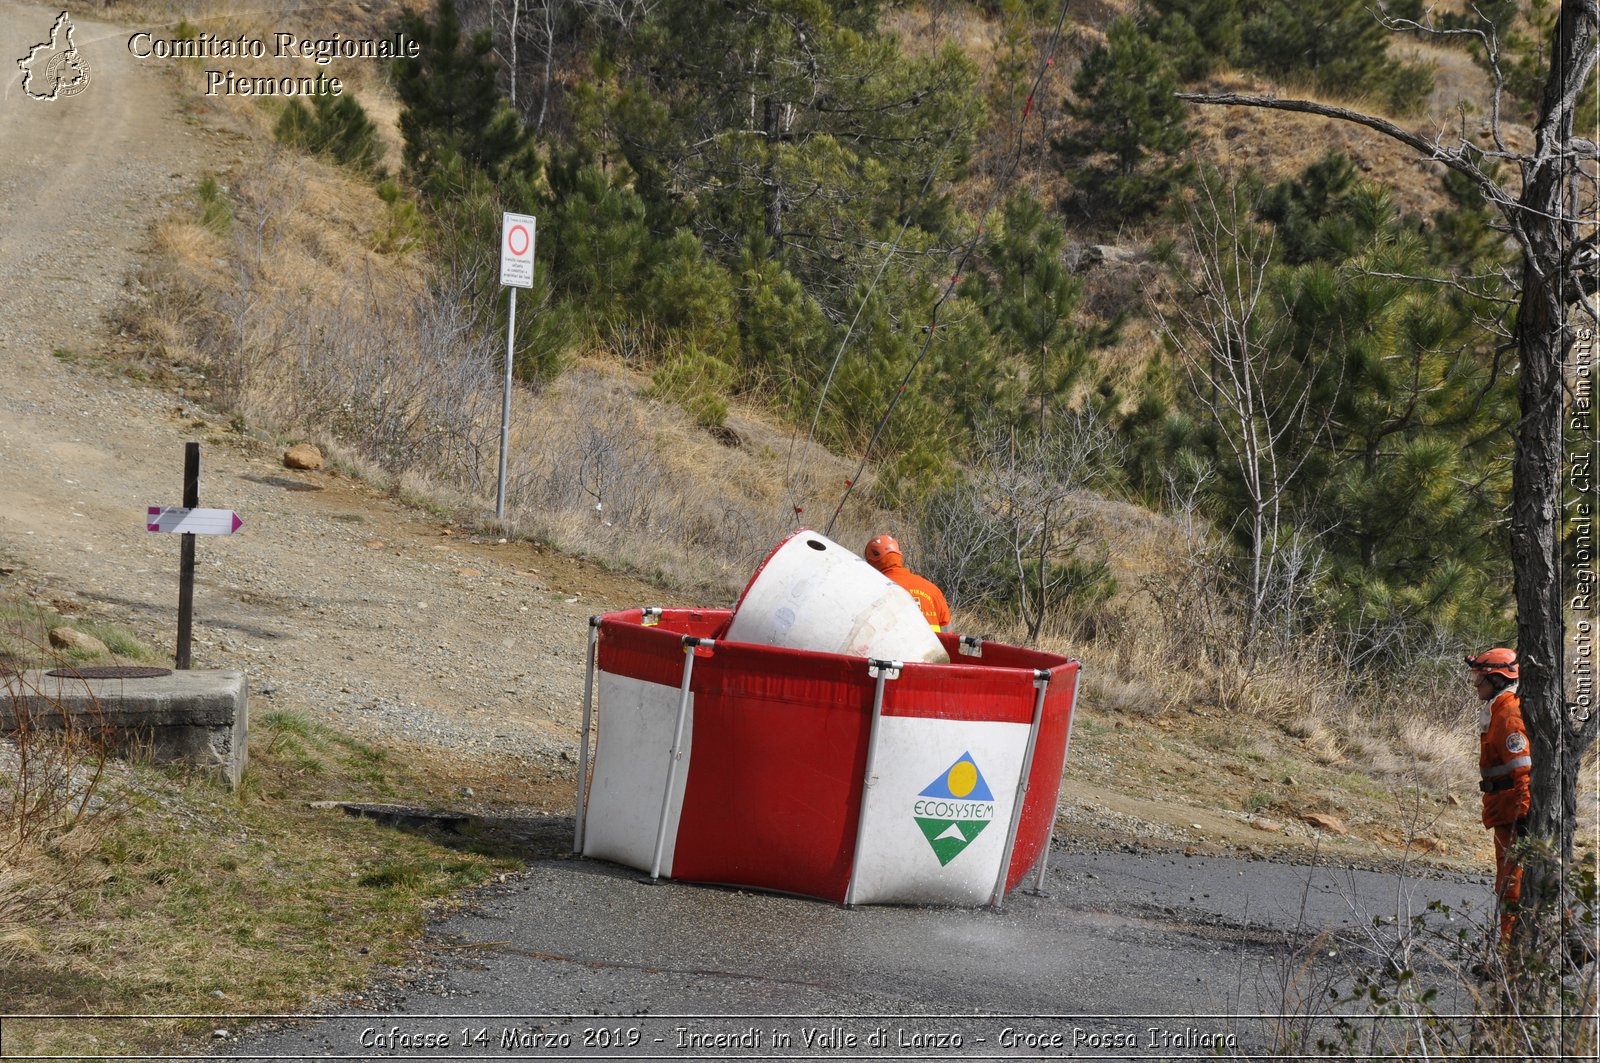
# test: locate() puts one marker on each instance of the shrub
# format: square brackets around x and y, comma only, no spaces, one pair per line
[335,126]
[215,213]
[1338,46]
[1528,1001]
[696,381]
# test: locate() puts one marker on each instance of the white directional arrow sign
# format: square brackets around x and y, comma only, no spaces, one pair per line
[192,521]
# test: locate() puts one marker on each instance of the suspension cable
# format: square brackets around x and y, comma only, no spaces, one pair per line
[1003,185]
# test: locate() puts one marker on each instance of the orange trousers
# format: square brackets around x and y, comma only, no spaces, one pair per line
[1507,878]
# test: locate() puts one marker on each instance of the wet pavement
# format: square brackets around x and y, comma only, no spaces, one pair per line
[1127,955]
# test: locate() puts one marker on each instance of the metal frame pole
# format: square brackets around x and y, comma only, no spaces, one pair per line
[183,657]
[505,412]
[882,671]
[689,645]
[583,746]
[1050,832]
[1041,682]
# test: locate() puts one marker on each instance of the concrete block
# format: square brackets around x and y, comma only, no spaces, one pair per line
[197,717]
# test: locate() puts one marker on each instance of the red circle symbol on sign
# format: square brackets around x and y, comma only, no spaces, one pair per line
[517,234]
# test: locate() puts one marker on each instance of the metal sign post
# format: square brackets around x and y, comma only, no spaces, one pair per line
[191,500]
[518,234]
[189,520]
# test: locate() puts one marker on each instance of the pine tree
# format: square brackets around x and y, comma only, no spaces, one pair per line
[1342,409]
[1200,35]
[796,122]
[1030,301]
[782,330]
[1327,213]
[1340,46]
[451,104]
[336,126]
[1406,484]
[1126,151]
[603,254]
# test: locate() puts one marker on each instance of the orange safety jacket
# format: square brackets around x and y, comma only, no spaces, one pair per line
[929,598]
[1505,761]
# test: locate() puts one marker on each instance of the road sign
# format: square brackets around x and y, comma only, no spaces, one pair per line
[192,521]
[518,234]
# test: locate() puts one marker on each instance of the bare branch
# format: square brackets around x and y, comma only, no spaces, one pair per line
[1490,42]
[1432,149]
[1448,282]
[1458,160]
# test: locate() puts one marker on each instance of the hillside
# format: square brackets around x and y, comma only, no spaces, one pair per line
[380,600]
[392,679]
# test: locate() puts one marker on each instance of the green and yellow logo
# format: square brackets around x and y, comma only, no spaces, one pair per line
[954,809]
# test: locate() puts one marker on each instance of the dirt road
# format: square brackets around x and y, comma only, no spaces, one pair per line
[349,608]
[335,601]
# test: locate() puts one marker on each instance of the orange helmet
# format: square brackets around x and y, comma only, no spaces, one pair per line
[1498,661]
[880,548]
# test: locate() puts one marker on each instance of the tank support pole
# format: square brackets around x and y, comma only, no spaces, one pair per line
[1050,832]
[689,645]
[583,746]
[1041,682]
[882,671]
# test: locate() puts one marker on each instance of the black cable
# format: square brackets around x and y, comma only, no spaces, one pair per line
[932,328]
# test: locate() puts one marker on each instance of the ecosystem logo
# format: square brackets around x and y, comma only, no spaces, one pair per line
[55,68]
[954,809]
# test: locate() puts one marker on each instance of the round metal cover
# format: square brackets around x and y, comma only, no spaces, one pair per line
[110,671]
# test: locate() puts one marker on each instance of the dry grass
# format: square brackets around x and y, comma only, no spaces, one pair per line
[600,469]
[610,474]
[199,901]
[314,334]
[317,336]
[129,889]
[189,900]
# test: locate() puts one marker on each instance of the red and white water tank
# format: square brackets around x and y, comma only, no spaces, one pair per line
[821,739]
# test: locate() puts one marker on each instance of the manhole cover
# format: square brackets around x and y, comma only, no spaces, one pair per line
[400,815]
[109,671]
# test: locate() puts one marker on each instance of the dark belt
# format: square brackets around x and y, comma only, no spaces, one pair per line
[1494,786]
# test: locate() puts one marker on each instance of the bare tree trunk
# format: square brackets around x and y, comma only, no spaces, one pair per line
[769,177]
[1553,277]
[1544,337]
[1041,584]
[1259,399]
[516,12]
[549,63]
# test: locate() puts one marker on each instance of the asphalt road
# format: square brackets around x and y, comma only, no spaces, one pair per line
[1131,955]
[1128,955]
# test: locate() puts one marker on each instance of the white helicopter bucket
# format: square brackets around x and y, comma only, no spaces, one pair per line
[813,594]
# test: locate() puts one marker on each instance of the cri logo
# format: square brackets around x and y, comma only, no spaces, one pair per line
[54,68]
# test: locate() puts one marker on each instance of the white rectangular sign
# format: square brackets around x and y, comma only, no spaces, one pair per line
[938,811]
[192,521]
[517,237]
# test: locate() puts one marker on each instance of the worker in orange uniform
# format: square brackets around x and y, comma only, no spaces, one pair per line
[1505,762]
[883,554]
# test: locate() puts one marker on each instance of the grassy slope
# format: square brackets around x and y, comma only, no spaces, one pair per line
[175,892]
